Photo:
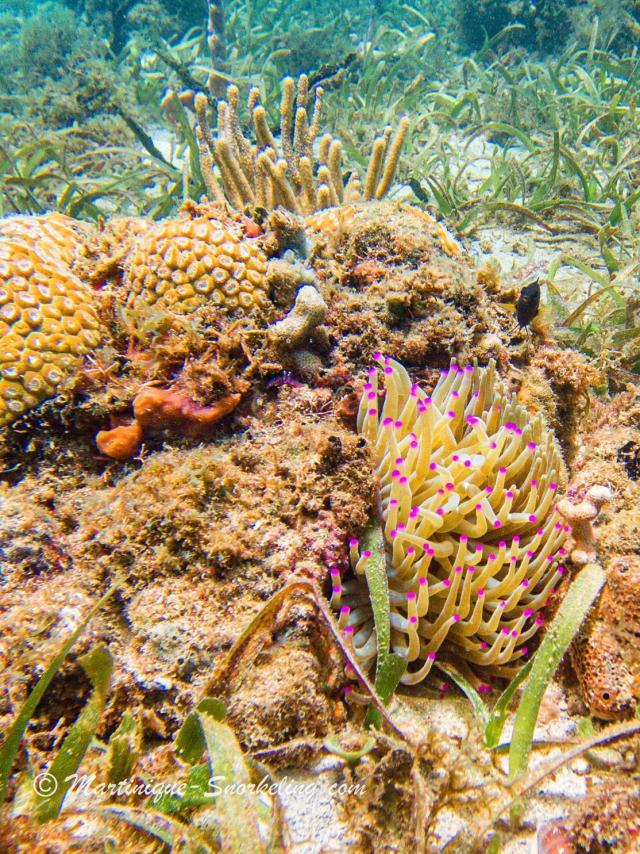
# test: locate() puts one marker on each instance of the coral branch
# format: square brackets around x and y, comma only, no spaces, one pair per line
[580,517]
[308,312]
[217,45]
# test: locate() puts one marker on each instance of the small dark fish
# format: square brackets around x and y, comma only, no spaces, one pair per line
[629,456]
[528,303]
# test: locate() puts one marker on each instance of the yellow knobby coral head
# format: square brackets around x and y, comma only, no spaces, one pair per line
[473,539]
[47,321]
[181,264]
[330,221]
[55,234]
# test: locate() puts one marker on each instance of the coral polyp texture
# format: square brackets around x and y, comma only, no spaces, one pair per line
[181,264]
[272,174]
[47,321]
[473,539]
[55,234]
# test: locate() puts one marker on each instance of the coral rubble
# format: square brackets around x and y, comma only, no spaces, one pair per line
[607,820]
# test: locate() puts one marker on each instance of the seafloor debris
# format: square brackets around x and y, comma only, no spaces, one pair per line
[468,484]
[607,820]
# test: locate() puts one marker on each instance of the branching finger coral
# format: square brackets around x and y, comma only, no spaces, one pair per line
[307,312]
[473,540]
[269,175]
[297,333]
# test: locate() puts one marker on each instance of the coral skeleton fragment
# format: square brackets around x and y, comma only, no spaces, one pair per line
[473,538]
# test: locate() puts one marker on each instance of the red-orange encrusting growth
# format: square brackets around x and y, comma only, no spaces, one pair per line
[121,443]
[158,409]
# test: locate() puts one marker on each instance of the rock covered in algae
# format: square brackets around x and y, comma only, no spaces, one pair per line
[201,538]
[473,539]
[605,654]
[395,281]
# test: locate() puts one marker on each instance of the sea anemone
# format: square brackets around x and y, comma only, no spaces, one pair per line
[473,539]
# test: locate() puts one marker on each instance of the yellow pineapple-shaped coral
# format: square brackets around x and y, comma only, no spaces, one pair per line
[181,264]
[47,318]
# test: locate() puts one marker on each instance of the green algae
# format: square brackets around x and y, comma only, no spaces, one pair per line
[571,614]
[389,666]
[98,665]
